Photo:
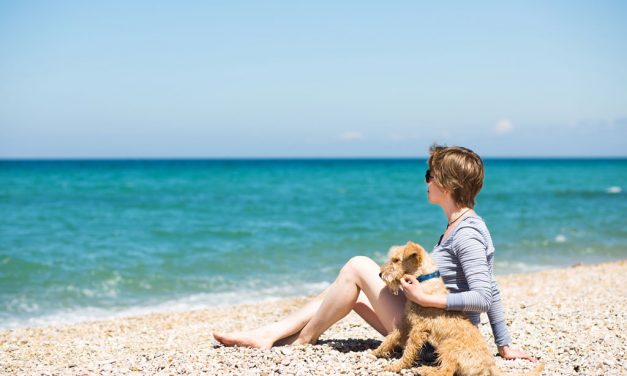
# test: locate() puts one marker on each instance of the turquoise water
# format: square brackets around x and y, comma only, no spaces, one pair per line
[96,239]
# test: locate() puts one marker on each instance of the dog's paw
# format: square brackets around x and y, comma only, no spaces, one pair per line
[395,367]
[379,354]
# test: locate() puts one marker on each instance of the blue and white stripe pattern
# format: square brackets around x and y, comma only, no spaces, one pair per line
[466,260]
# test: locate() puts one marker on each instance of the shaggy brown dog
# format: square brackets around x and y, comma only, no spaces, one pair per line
[461,348]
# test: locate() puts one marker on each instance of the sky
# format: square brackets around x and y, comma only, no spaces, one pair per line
[233,79]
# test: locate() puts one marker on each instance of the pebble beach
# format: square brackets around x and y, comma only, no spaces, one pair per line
[573,320]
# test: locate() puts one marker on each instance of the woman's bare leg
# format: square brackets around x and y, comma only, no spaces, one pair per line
[359,274]
[362,307]
[266,336]
[377,306]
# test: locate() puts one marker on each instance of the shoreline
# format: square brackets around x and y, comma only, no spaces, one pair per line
[572,318]
[96,314]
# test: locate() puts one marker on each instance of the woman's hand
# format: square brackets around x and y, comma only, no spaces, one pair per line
[508,352]
[413,291]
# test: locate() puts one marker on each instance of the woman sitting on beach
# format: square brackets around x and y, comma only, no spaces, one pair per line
[464,256]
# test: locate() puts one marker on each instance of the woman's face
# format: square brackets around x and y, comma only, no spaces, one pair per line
[435,193]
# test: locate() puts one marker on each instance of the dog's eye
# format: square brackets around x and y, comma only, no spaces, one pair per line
[394,260]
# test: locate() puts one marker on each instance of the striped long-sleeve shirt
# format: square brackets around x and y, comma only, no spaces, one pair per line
[466,260]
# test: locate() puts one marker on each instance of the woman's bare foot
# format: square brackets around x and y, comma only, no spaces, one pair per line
[244,339]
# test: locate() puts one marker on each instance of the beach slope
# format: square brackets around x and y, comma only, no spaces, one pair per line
[573,319]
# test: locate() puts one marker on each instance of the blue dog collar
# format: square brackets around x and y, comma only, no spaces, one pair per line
[425,277]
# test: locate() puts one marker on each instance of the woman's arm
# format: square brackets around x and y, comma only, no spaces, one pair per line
[496,315]
[413,292]
[502,338]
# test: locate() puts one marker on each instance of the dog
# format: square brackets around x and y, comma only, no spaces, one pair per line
[461,348]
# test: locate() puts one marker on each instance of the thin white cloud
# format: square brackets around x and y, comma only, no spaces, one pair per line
[351,136]
[504,126]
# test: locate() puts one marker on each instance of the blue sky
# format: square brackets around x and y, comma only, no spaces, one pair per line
[311,79]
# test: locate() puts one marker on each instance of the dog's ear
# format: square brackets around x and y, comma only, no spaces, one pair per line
[412,250]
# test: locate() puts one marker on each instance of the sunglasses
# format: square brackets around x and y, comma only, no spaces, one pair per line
[428,176]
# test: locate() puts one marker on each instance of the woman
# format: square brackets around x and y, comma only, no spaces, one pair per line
[464,256]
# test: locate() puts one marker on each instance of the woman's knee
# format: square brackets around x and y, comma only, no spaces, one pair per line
[358,265]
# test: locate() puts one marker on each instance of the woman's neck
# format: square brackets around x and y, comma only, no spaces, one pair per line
[453,211]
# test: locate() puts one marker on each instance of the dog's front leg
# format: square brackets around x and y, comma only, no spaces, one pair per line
[397,337]
[389,343]
[414,344]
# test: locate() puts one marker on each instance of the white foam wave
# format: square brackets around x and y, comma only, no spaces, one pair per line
[510,267]
[187,303]
[614,190]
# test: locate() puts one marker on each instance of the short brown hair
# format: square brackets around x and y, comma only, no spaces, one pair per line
[458,170]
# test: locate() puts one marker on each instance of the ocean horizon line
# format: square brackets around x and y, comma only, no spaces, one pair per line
[293,158]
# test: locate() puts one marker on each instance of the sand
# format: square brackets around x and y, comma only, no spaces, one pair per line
[573,319]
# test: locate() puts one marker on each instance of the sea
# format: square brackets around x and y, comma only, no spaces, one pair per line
[98,239]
